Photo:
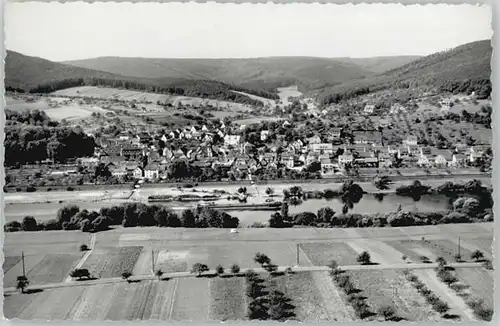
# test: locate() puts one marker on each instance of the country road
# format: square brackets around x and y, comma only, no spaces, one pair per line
[297,269]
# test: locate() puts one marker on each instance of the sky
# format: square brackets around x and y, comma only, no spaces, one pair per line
[75,31]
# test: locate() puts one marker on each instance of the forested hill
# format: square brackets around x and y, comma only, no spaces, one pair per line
[255,73]
[465,68]
[35,75]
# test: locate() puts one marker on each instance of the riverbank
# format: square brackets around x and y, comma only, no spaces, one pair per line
[472,174]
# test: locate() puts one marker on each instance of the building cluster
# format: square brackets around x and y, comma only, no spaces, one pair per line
[149,156]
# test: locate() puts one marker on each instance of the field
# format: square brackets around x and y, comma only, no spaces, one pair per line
[56,108]
[128,95]
[314,294]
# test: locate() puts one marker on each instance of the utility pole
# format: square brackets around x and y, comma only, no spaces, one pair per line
[152,261]
[24,268]
[297,254]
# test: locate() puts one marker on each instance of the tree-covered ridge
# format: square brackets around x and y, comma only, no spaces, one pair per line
[465,68]
[36,75]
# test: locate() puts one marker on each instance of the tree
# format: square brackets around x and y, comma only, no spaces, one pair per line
[65,213]
[269,191]
[382,182]
[325,214]
[441,307]
[22,283]
[219,270]
[276,220]
[80,273]
[188,218]
[261,259]
[271,268]
[387,312]
[84,247]
[250,275]
[364,258]
[441,262]
[235,269]
[126,276]
[159,274]
[284,210]
[29,224]
[477,255]
[199,268]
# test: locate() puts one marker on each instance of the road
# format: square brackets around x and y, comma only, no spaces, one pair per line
[296,269]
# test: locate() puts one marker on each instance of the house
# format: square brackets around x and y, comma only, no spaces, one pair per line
[138,173]
[369,108]
[144,138]
[311,158]
[288,160]
[119,171]
[204,128]
[322,148]
[124,136]
[151,171]
[461,159]
[366,159]
[232,140]
[411,140]
[131,153]
[88,162]
[413,150]
[367,137]
[423,160]
[327,166]
[345,159]
[444,159]
[264,135]
[336,133]
[397,108]
[314,140]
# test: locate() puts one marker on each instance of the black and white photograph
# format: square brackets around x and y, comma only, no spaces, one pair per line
[248,162]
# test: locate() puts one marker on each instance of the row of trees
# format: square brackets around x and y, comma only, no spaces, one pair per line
[199,88]
[326,217]
[71,217]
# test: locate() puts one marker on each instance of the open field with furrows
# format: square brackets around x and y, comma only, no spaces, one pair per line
[56,108]
[112,263]
[390,288]
[128,95]
[315,295]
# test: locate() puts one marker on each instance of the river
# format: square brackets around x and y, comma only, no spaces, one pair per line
[368,204]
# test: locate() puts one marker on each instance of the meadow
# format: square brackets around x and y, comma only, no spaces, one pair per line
[315,296]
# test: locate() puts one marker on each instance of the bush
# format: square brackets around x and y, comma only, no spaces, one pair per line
[441,262]
[440,307]
[84,247]
[219,269]
[387,312]
[250,275]
[477,255]
[12,226]
[80,273]
[488,265]
[364,258]
[29,224]
[235,269]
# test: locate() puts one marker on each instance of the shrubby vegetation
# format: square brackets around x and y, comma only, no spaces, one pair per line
[129,215]
[33,137]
